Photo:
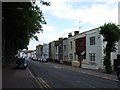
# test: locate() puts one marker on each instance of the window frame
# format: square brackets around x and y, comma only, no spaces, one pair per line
[71,45]
[92,57]
[71,56]
[92,40]
[81,43]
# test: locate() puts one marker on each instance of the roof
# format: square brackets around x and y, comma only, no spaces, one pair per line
[27,51]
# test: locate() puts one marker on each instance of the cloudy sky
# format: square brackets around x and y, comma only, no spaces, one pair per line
[64,16]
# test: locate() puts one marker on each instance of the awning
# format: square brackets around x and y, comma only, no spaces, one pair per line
[83,53]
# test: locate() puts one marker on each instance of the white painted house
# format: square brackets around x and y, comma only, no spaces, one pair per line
[65,49]
[25,53]
[33,54]
[94,50]
[45,54]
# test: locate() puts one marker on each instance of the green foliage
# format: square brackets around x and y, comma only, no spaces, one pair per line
[22,20]
[111,34]
[107,64]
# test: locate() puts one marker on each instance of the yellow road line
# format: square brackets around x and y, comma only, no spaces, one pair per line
[34,77]
[43,83]
[40,81]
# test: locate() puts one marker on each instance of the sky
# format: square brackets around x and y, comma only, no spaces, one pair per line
[66,16]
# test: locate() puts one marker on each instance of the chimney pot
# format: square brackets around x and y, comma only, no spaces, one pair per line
[76,32]
[70,35]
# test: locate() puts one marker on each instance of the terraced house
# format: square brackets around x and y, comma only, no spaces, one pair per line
[39,51]
[52,51]
[71,48]
[80,50]
[86,47]
[94,49]
[56,51]
[60,49]
[45,51]
[65,50]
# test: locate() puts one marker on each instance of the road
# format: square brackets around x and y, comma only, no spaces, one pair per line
[57,77]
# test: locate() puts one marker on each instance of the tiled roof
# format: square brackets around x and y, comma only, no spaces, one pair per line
[27,51]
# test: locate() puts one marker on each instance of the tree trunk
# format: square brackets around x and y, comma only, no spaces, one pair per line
[107,61]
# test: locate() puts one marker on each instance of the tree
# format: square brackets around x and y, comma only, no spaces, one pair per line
[111,34]
[22,20]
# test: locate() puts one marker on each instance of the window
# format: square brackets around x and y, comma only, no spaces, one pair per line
[92,40]
[71,44]
[71,56]
[80,43]
[64,57]
[92,57]
[64,47]
[55,48]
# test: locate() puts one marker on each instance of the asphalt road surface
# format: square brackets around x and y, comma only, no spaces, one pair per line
[57,77]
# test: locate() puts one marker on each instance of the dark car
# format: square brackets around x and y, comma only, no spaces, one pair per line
[21,63]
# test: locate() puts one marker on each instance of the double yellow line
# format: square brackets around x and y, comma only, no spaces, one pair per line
[44,85]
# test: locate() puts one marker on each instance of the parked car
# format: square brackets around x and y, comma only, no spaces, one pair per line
[39,59]
[44,60]
[21,63]
[35,59]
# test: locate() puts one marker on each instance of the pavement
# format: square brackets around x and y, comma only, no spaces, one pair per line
[18,78]
[22,78]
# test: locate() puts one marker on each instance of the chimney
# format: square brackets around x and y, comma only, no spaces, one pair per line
[76,32]
[65,38]
[70,35]
[60,38]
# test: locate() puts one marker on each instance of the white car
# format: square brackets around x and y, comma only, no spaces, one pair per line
[39,59]
[44,60]
[34,58]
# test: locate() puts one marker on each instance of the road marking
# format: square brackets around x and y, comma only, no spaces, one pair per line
[43,83]
[40,81]
[33,76]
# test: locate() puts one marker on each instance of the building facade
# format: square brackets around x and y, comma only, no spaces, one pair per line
[80,43]
[33,55]
[52,51]
[94,50]
[39,52]
[25,53]
[60,49]
[56,47]
[65,50]
[71,48]
[45,51]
